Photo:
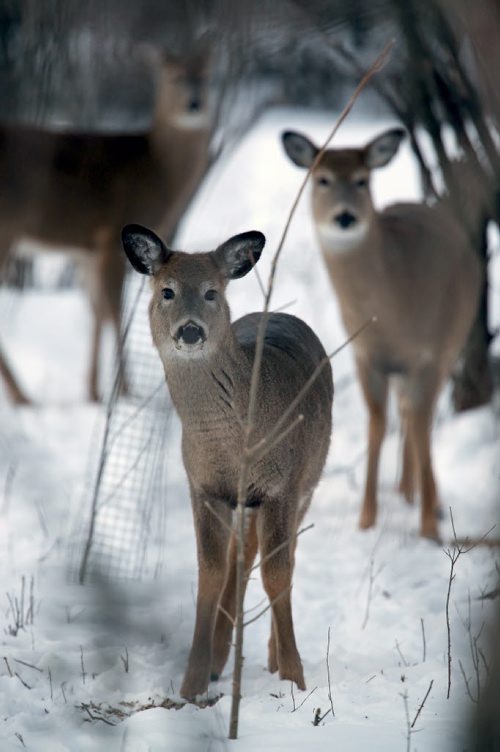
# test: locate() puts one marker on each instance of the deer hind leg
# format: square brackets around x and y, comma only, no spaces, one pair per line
[406,485]
[272,663]
[423,390]
[15,392]
[227,607]
[212,538]
[374,385]
[276,532]
[105,275]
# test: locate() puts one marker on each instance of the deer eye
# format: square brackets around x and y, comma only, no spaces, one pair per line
[322,180]
[168,293]
[361,183]
[210,294]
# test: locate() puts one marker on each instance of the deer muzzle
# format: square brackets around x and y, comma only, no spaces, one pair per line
[190,334]
[345,219]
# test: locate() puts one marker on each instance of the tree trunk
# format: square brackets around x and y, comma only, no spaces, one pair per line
[472,380]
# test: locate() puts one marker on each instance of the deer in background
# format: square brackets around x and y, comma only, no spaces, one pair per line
[74,191]
[410,266]
[208,367]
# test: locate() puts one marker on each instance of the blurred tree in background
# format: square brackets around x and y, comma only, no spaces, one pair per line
[88,65]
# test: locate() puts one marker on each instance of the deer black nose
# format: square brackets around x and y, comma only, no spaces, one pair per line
[191,333]
[345,219]
[194,105]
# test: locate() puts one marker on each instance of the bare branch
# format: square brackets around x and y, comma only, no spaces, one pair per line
[269,606]
[422,703]
[281,545]
[405,662]
[303,701]
[259,449]
[467,685]
[249,456]
[424,647]
[328,673]
[404,695]
[218,517]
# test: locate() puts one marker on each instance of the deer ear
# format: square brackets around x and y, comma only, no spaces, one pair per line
[301,151]
[240,253]
[145,250]
[381,150]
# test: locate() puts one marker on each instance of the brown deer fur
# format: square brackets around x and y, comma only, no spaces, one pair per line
[74,191]
[409,265]
[208,365]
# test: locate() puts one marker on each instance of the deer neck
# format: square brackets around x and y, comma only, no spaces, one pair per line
[210,393]
[182,134]
[359,254]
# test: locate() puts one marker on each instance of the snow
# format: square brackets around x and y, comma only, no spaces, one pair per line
[88,657]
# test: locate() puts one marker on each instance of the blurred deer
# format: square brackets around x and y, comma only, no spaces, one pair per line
[208,367]
[411,266]
[74,191]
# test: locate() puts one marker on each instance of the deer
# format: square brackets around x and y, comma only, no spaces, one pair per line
[208,363]
[411,268]
[73,191]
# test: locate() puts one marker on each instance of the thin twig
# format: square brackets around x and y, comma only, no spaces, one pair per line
[219,517]
[328,672]
[226,613]
[454,554]
[82,665]
[372,577]
[422,703]
[404,695]
[424,647]
[405,662]
[304,700]
[280,546]
[269,605]
[8,667]
[467,686]
[29,665]
[259,449]
[318,718]
[25,684]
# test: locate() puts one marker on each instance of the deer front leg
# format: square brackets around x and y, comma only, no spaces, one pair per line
[105,273]
[212,537]
[422,391]
[227,606]
[406,486]
[374,386]
[276,533]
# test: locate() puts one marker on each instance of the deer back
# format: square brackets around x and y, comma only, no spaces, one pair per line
[99,180]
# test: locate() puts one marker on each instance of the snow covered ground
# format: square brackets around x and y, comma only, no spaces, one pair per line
[79,661]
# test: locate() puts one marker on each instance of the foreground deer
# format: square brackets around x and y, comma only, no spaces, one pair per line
[411,267]
[74,191]
[208,364]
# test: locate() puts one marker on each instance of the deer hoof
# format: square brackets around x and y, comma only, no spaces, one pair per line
[430,532]
[366,520]
[296,676]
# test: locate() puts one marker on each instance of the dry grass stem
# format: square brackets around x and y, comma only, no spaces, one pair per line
[424,646]
[328,673]
[454,553]
[422,704]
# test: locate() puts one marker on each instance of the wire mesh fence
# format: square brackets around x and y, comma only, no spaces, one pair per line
[118,533]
